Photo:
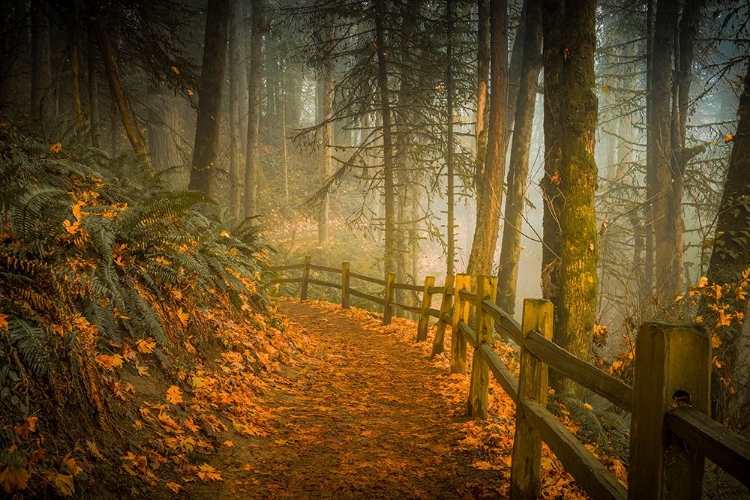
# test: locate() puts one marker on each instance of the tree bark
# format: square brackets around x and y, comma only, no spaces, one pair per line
[253,113]
[203,168]
[389,195]
[237,102]
[518,169]
[75,77]
[118,93]
[483,80]
[730,257]
[660,178]
[450,147]
[94,118]
[326,153]
[569,260]
[490,189]
[41,64]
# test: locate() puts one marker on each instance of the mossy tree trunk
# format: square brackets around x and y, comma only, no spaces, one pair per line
[570,117]
[730,258]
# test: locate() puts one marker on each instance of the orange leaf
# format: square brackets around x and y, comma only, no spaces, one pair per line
[3,322]
[208,473]
[109,362]
[183,316]
[14,478]
[174,487]
[557,178]
[146,346]
[62,482]
[729,138]
[56,147]
[174,395]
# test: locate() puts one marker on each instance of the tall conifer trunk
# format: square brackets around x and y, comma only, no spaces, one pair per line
[203,168]
[518,169]
[253,112]
[490,187]
[569,274]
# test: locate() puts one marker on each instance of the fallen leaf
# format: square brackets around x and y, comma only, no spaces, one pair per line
[174,395]
[13,478]
[63,483]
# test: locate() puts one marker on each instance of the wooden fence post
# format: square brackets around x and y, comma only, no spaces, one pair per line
[346,300]
[526,465]
[387,308]
[305,277]
[445,306]
[480,371]
[424,318]
[460,313]
[672,367]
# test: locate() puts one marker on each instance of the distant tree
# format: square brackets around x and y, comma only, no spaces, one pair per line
[238,102]
[203,169]
[254,82]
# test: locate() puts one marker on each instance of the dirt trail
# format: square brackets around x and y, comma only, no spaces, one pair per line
[360,417]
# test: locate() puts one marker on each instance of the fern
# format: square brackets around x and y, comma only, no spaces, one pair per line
[33,346]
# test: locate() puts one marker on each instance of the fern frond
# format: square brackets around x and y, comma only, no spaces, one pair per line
[33,346]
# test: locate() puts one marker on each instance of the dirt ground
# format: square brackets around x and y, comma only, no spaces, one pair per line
[360,415]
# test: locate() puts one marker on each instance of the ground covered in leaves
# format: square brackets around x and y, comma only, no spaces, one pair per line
[362,412]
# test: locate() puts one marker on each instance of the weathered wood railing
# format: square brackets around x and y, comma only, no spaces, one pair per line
[671,433]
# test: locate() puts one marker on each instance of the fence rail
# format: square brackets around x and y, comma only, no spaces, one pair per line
[671,432]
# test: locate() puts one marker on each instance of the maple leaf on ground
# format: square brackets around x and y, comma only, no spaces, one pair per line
[174,395]
[146,346]
[183,316]
[63,483]
[208,473]
[173,487]
[109,362]
[28,426]
[13,478]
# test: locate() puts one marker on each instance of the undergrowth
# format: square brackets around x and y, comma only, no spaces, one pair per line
[103,274]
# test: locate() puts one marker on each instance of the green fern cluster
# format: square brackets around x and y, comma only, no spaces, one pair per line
[90,243]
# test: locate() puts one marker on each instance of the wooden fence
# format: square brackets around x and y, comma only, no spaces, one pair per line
[671,432]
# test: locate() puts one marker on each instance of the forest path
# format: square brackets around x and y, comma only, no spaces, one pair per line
[359,415]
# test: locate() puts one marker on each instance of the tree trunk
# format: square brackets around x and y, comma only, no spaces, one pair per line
[569,274]
[41,64]
[253,113]
[75,77]
[681,82]
[203,168]
[118,93]
[730,258]
[490,189]
[450,258]
[326,153]
[389,262]
[483,79]
[515,69]
[162,135]
[237,102]
[660,178]
[94,119]
[518,170]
